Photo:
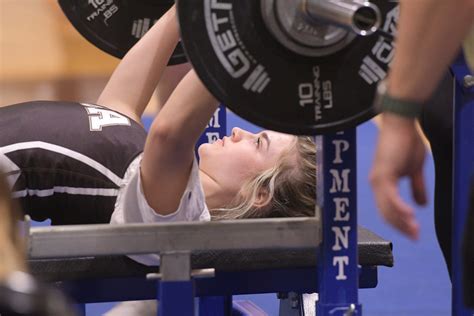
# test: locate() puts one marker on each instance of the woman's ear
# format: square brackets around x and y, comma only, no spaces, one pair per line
[263,199]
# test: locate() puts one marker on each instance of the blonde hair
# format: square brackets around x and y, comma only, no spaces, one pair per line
[289,187]
[11,245]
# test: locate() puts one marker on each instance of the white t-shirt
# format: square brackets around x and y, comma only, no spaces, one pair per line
[132,207]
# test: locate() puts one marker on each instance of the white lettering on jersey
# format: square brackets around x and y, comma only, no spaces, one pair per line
[99,118]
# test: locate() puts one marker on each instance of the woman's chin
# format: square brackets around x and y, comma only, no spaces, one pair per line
[202,149]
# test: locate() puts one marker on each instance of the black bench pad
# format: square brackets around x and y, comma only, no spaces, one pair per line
[373,251]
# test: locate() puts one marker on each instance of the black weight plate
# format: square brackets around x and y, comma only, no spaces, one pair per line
[115,26]
[247,69]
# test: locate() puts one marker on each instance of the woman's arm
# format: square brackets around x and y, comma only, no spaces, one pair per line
[169,149]
[134,80]
[171,77]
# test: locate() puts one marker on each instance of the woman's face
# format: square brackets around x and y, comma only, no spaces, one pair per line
[232,160]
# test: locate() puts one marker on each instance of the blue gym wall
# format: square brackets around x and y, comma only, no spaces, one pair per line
[418,285]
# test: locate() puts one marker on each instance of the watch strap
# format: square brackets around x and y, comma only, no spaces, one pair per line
[408,109]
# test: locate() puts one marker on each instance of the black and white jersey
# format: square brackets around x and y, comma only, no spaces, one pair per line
[65,161]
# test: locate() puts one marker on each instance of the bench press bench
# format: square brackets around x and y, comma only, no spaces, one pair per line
[91,279]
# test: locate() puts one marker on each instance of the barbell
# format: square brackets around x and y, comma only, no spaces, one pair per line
[300,66]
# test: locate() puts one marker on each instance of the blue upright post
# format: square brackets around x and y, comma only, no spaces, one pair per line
[463,173]
[337,198]
[176,288]
[176,298]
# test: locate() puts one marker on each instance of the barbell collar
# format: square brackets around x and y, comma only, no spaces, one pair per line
[298,32]
[359,16]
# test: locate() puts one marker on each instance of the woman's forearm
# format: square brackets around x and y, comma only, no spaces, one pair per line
[172,75]
[136,77]
[169,148]
[187,112]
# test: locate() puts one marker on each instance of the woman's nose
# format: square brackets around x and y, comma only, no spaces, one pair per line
[236,134]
